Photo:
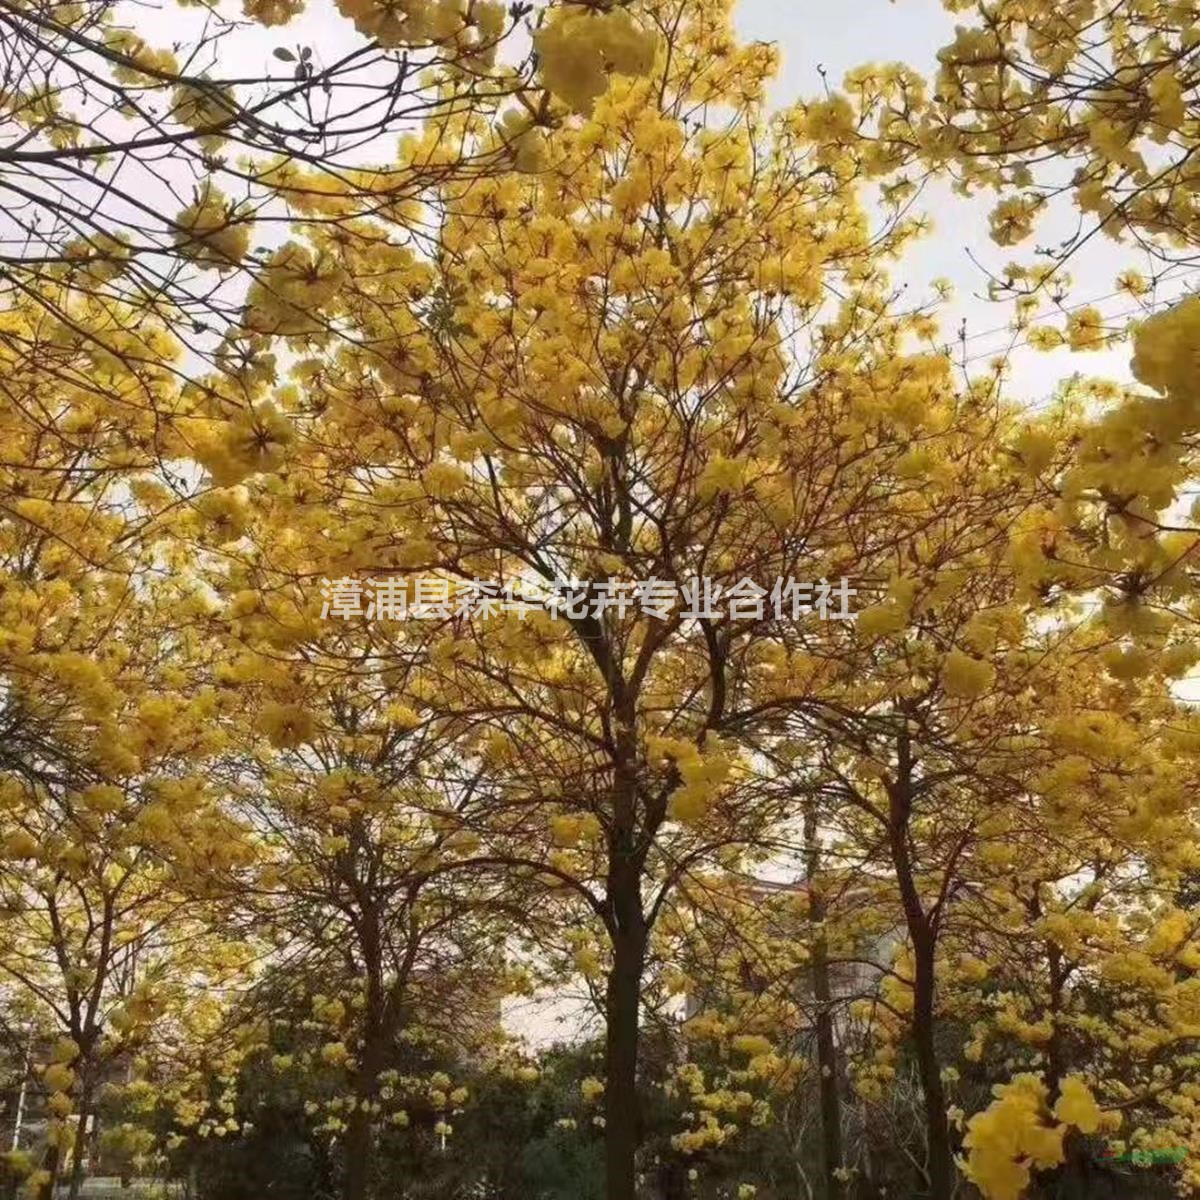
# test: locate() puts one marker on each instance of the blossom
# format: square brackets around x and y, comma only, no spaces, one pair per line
[211,231]
[1076,1105]
[1085,329]
[286,725]
[966,676]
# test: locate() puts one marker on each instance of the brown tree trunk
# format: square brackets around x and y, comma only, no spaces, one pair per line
[360,1155]
[80,1147]
[1054,1051]
[357,1175]
[673,1181]
[50,1161]
[359,1148]
[828,1066]
[621,1132]
[922,934]
[628,934]
[941,1156]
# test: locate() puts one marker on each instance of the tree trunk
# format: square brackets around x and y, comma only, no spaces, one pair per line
[628,933]
[50,1161]
[359,1156]
[80,1147]
[941,1157]
[827,1054]
[621,1132]
[359,1149]
[923,935]
[672,1181]
[1054,1051]
[359,1145]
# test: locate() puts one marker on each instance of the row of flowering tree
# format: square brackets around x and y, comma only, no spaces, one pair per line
[598,319]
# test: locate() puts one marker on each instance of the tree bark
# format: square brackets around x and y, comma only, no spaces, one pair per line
[923,935]
[1054,1051]
[672,1181]
[50,1161]
[941,1156]
[359,1147]
[359,1165]
[359,1154]
[77,1153]
[628,933]
[621,1124]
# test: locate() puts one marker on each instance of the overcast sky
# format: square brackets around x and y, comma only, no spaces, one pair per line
[840,34]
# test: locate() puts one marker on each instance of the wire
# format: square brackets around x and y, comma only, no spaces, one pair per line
[1066,308]
[1023,340]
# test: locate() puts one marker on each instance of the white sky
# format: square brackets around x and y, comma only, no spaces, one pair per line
[840,34]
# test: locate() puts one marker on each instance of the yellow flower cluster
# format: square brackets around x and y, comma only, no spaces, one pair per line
[569,829]
[1011,1139]
[272,12]
[703,770]
[211,232]
[286,725]
[1166,350]
[290,295]
[578,47]
[394,23]
[1017,1134]
[966,676]
[255,440]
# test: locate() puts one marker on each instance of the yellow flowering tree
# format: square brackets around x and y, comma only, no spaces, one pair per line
[362,894]
[163,162]
[590,380]
[428,583]
[106,883]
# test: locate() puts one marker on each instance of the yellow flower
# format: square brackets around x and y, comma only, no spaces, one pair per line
[103,798]
[58,1078]
[20,844]
[577,50]
[965,676]
[1167,349]
[443,480]
[1012,219]
[272,12]
[1077,1106]
[1045,337]
[879,620]
[65,1050]
[1085,330]
[1011,1137]
[335,1053]
[211,231]
[720,474]
[287,725]
[1133,282]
